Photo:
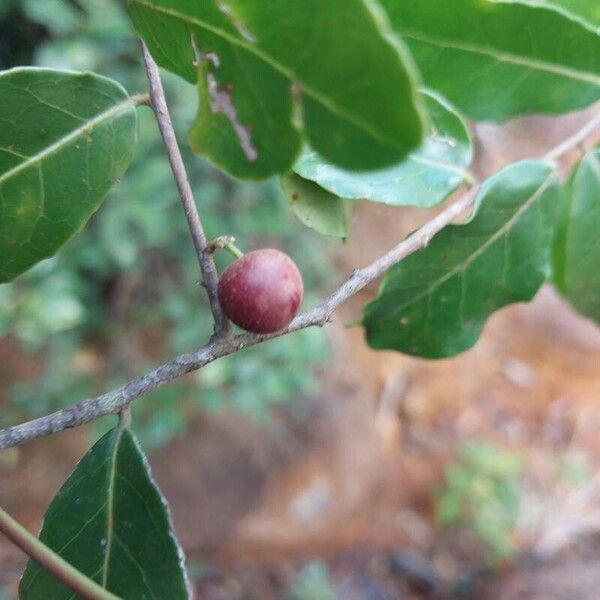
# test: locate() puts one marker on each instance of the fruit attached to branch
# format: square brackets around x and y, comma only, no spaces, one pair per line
[261,291]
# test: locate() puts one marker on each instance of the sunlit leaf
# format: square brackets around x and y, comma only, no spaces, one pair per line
[425,178]
[65,139]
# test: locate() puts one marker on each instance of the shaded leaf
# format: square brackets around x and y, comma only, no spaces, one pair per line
[260,62]
[577,239]
[315,207]
[498,59]
[425,178]
[434,303]
[110,522]
[65,139]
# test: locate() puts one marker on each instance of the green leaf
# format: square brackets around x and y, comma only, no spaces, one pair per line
[315,207]
[262,64]
[110,522]
[577,239]
[434,303]
[588,10]
[499,59]
[425,178]
[65,139]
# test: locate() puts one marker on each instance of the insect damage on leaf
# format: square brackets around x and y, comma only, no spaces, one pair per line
[290,41]
[220,102]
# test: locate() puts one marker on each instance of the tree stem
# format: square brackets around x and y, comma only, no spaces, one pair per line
[207,264]
[225,242]
[572,142]
[115,400]
[54,564]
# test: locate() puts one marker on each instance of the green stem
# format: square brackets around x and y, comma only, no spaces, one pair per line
[60,568]
[233,249]
[226,242]
[141,100]
[125,418]
[469,178]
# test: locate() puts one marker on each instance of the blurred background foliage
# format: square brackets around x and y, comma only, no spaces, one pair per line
[482,491]
[124,294]
[312,582]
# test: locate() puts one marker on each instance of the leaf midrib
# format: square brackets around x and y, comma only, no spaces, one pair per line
[502,56]
[56,146]
[110,507]
[463,265]
[442,166]
[324,100]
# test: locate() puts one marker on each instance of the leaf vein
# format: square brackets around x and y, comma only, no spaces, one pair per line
[508,57]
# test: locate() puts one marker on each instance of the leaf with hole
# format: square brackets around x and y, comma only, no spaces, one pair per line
[435,302]
[260,65]
[425,178]
[577,239]
[111,522]
[498,59]
[65,139]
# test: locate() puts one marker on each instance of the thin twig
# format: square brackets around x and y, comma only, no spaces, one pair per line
[76,581]
[572,142]
[114,401]
[207,263]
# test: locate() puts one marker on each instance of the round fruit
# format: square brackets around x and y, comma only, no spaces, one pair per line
[261,291]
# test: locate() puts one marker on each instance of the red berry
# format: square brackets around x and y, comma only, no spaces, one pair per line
[261,291]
